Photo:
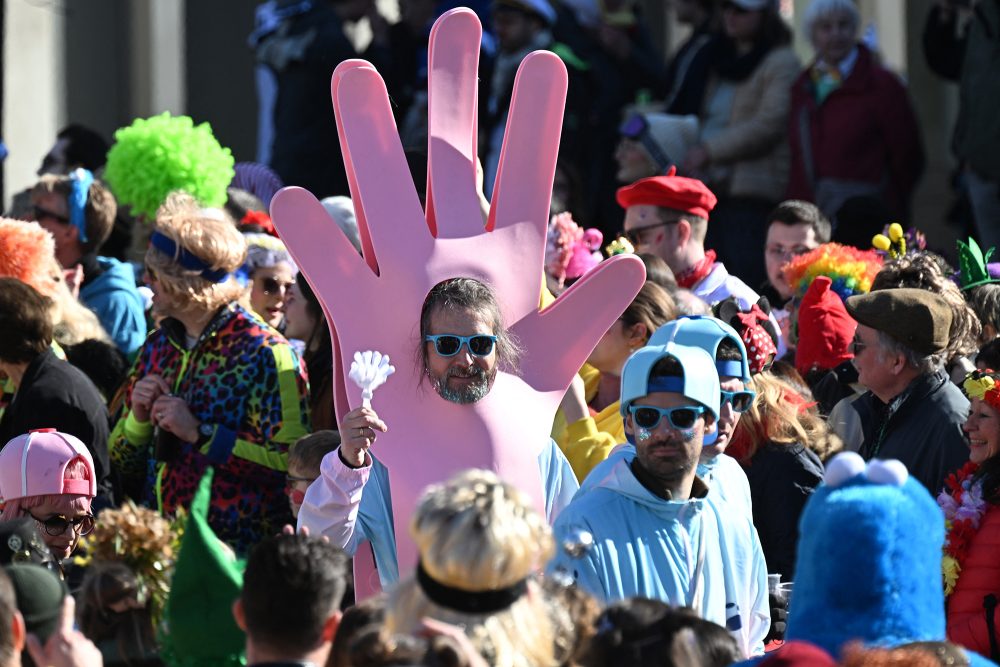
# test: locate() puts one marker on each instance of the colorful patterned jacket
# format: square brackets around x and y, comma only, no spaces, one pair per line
[245,380]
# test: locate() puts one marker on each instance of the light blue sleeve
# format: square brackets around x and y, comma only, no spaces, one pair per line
[583,570]
[558,480]
[760,621]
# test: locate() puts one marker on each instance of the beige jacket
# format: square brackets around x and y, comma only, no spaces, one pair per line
[755,145]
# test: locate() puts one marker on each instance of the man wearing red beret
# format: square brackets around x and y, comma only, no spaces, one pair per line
[668,216]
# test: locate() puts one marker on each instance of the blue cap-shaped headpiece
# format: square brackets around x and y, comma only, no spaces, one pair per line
[705,333]
[700,382]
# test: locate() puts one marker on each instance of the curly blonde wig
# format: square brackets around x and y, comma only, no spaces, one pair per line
[214,241]
[778,414]
[477,533]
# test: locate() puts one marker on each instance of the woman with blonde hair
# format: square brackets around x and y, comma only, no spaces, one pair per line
[781,442]
[214,386]
[479,541]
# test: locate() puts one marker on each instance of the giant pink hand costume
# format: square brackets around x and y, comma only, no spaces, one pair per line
[375,302]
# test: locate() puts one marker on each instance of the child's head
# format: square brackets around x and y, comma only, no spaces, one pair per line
[304,460]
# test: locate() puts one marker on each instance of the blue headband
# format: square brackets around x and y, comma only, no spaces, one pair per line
[81,180]
[730,368]
[186,259]
[665,383]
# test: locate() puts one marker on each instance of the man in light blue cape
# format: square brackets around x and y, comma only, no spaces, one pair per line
[650,524]
[720,472]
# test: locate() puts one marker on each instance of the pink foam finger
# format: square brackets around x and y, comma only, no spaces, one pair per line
[338,73]
[383,184]
[453,207]
[320,248]
[531,143]
[555,355]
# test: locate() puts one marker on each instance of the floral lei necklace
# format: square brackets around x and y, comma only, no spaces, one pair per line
[962,498]
[963,506]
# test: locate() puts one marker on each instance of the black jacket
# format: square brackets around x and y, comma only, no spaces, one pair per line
[782,478]
[55,394]
[922,428]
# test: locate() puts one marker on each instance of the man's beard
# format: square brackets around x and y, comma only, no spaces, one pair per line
[475,390]
[666,470]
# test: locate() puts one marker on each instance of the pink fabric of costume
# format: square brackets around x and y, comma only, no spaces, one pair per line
[374,302]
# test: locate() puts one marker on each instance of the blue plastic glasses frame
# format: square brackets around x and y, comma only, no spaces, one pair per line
[449,339]
[694,410]
[740,400]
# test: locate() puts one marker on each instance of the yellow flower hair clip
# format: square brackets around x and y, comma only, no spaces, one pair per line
[620,246]
[983,387]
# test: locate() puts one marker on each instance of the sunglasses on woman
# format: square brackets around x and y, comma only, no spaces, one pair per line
[448,345]
[57,524]
[46,214]
[740,400]
[271,286]
[648,416]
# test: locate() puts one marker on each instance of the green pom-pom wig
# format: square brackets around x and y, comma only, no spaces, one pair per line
[155,156]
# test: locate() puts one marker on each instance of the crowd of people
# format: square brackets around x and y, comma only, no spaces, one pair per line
[749,417]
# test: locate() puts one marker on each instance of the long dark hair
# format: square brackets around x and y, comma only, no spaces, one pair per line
[318,354]
[989,473]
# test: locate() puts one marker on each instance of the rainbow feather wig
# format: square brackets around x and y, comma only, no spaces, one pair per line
[850,269]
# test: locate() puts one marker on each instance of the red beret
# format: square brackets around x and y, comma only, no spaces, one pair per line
[681,194]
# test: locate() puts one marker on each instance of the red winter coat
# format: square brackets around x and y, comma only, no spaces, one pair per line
[979,577]
[864,131]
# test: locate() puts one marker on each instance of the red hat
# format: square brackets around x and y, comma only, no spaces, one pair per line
[798,653]
[825,329]
[682,194]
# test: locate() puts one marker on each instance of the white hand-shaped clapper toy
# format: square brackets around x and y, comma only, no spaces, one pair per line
[369,370]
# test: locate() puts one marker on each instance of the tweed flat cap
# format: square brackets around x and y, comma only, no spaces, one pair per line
[918,319]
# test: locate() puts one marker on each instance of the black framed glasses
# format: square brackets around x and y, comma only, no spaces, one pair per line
[858,346]
[648,416]
[635,235]
[44,213]
[740,400]
[786,253]
[271,286]
[58,523]
[448,345]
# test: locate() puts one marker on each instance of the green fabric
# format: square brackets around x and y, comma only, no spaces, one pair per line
[566,55]
[972,264]
[200,629]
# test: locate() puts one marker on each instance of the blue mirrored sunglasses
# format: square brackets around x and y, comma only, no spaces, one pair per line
[448,345]
[740,400]
[648,416]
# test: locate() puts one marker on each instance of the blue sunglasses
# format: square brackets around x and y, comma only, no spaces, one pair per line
[448,345]
[648,416]
[740,400]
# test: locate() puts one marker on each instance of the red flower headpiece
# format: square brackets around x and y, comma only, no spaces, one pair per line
[259,219]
